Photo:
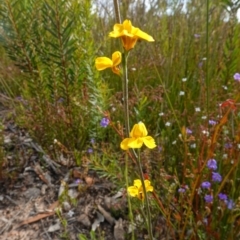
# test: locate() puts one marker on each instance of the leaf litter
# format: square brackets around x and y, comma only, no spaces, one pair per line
[35,190]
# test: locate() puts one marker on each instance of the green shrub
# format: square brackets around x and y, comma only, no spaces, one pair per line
[51,42]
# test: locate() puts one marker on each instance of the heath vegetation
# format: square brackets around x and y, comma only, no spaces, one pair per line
[146,91]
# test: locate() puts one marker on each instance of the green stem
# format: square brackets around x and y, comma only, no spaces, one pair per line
[125,97]
[128,198]
[149,222]
[127,125]
[207,56]
[125,93]
[126,108]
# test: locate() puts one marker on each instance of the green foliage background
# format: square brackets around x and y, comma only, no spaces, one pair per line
[51,42]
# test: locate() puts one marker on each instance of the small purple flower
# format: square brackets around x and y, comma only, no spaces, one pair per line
[205,221]
[160,148]
[216,177]
[19,98]
[212,164]
[206,185]
[181,190]
[208,198]
[236,77]
[92,141]
[212,122]
[222,196]
[60,100]
[197,35]
[104,122]
[230,204]
[188,131]
[77,181]
[90,150]
[228,145]
[200,64]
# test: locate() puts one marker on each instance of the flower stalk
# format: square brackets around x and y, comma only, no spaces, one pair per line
[125,93]
[117,12]
[149,222]
[138,137]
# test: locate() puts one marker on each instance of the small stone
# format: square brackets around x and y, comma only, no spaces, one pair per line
[32,192]
[84,219]
[7,139]
[55,227]
[66,206]
[43,189]
[118,230]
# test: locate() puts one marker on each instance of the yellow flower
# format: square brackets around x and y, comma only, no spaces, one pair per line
[102,63]
[129,34]
[138,136]
[137,190]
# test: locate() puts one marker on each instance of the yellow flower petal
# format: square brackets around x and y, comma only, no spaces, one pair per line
[143,35]
[149,142]
[137,183]
[127,25]
[135,143]
[138,136]
[102,63]
[139,130]
[149,189]
[137,189]
[133,191]
[124,144]
[148,186]
[147,183]
[129,34]
[117,31]
[116,58]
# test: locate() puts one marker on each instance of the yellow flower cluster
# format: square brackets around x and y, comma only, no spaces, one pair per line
[137,189]
[138,136]
[129,36]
